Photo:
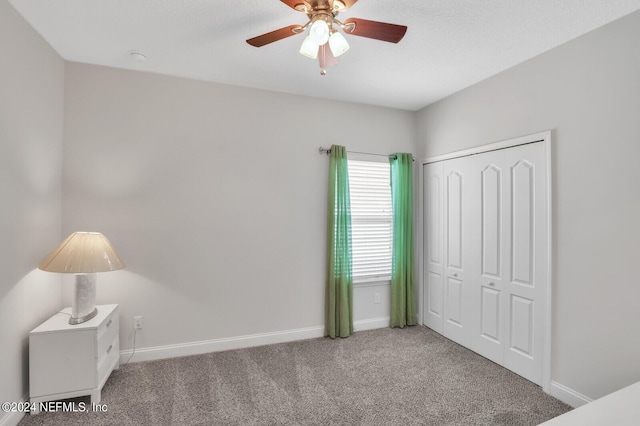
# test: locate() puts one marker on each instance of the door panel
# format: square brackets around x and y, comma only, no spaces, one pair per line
[434,204]
[521,326]
[522,194]
[454,302]
[490,315]
[489,242]
[456,248]
[434,301]
[454,220]
[491,220]
[527,286]
[433,291]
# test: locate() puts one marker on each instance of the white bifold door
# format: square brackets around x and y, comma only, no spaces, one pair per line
[485,277]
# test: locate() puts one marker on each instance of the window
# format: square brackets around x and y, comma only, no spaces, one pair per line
[371,220]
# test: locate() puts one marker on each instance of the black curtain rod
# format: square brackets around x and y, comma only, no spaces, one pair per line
[327,151]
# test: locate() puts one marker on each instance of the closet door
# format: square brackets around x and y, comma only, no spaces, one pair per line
[489,245]
[526,292]
[456,247]
[486,247]
[447,298]
[433,261]
[508,270]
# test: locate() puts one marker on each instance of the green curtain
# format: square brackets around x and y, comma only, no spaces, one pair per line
[403,303]
[339,288]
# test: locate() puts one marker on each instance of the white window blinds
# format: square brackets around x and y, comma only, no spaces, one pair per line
[371,220]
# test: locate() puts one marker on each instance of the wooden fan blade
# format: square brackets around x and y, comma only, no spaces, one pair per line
[293,3]
[276,35]
[325,56]
[378,30]
[347,4]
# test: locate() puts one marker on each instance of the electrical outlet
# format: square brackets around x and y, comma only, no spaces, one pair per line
[376,298]
[137,323]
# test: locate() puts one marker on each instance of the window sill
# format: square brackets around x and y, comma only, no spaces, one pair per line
[372,282]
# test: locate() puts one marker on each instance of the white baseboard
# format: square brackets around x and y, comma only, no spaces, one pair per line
[223,344]
[371,324]
[239,342]
[11,419]
[567,395]
[14,417]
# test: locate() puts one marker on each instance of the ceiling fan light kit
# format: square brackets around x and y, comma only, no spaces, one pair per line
[338,44]
[319,31]
[324,42]
[309,48]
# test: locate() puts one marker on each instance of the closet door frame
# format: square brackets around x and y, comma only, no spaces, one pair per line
[542,138]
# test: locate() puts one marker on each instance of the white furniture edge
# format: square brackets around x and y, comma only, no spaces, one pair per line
[238,342]
[619,408]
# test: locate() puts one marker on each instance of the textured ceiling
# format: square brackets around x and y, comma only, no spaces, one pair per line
[450,44]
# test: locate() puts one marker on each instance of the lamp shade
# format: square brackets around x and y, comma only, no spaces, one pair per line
[83,252]
[338,44]
[319,32]
[309,48]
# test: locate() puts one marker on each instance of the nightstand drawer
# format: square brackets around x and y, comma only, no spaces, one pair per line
[108,325]
[105,334]
[108,359]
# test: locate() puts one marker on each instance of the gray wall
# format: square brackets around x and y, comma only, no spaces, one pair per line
[588,93]
[214,196]
[31,119]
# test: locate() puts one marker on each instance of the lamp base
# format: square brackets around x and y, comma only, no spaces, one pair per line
[84,299]
[80,320]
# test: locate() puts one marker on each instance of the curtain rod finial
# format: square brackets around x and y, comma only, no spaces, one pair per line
[324,150]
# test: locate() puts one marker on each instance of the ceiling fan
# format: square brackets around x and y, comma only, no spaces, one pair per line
[324,42]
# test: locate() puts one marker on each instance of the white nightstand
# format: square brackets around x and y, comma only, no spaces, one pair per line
[66,361]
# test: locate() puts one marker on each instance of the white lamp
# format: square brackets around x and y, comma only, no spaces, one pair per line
[83,254]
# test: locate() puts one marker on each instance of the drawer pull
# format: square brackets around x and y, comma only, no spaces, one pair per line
[109,348]
[109,323]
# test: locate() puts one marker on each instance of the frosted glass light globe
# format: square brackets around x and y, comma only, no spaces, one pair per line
[319,32]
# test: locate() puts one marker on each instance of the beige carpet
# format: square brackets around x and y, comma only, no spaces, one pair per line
[379,377]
